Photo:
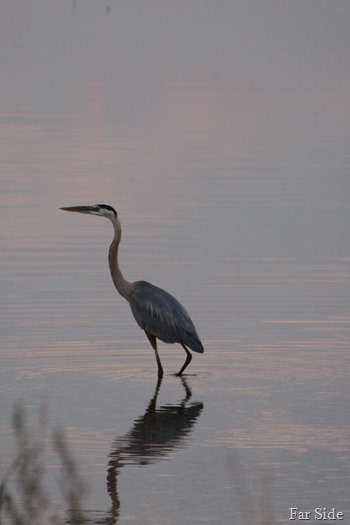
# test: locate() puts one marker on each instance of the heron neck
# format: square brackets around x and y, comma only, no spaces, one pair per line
[122,285]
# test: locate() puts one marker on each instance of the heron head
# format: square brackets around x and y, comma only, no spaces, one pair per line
[102,210]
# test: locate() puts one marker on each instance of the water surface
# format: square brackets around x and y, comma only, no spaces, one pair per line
[220,138]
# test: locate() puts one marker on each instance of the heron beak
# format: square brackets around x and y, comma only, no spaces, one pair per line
[81,209]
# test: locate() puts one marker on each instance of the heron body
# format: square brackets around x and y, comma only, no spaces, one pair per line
[157,312]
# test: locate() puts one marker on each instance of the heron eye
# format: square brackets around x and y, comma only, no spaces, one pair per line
[107,208]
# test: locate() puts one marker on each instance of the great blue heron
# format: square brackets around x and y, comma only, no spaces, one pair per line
[157,312]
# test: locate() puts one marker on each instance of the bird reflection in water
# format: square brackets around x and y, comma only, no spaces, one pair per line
[153,436]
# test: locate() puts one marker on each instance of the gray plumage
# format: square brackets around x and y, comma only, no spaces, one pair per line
[157,312]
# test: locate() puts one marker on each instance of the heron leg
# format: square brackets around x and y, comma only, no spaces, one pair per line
[153,340]
[187,362]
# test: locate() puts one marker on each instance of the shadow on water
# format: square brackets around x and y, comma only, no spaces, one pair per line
[153,436]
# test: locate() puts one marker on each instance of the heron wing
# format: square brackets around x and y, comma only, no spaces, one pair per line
[159,313]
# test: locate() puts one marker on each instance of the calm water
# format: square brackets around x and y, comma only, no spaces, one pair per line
[221,137]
